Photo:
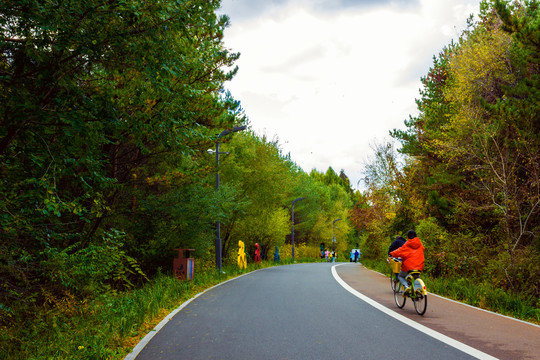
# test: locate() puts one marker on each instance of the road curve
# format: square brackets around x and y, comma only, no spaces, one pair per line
[293,312]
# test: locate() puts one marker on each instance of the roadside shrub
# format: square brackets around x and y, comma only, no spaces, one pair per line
[300,251]
[90,270]
[450,254]
[371,245]
[433,236]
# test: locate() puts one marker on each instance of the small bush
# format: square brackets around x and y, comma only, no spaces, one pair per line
[89,270]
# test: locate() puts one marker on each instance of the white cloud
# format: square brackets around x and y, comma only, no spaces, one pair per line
[329,83]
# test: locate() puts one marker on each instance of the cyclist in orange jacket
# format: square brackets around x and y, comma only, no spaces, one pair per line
[412,256]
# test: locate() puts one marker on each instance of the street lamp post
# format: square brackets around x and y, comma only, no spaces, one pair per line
[334,236]
[218,227]
[292,221]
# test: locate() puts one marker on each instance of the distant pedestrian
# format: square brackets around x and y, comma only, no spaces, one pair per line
[326,253]
[276,254]
[242,258]
[257,253]
[356,255]
[333,256]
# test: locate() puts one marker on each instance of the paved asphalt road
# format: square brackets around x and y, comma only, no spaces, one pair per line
[289,312]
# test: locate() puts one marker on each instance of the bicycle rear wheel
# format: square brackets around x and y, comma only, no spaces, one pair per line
[398,295]
[420,303]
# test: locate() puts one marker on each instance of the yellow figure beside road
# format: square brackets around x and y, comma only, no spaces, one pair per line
[242,260]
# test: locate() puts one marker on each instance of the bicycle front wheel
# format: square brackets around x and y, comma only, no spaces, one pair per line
[420,303]
[393,280]
[398,295]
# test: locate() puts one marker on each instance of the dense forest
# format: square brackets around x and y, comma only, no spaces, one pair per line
[108,110]
[466,175]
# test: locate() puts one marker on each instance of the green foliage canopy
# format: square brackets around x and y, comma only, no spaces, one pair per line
[100,100]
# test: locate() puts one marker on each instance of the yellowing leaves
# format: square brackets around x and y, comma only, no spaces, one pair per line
[480,67]
[390,215]
[479,70]
[150,103]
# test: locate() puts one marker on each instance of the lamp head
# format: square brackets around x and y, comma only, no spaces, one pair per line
[234,129]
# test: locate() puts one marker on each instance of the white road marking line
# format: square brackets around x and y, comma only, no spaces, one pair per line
[434,334]
[471,306]
[137,349]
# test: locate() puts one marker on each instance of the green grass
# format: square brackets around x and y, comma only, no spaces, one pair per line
[481,295]
[376,265]
[487,297]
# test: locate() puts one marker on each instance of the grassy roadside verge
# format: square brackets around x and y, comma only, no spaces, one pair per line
[110,326]
[480,295]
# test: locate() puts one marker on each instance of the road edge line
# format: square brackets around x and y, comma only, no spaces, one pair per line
[430,332]
[145,340]
[469,305]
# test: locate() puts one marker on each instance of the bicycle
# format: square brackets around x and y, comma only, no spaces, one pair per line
[395,268]
[417,292]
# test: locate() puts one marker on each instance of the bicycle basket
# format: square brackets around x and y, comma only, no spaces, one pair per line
[395,265]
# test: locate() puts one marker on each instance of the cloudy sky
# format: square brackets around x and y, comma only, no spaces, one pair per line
[330,77]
